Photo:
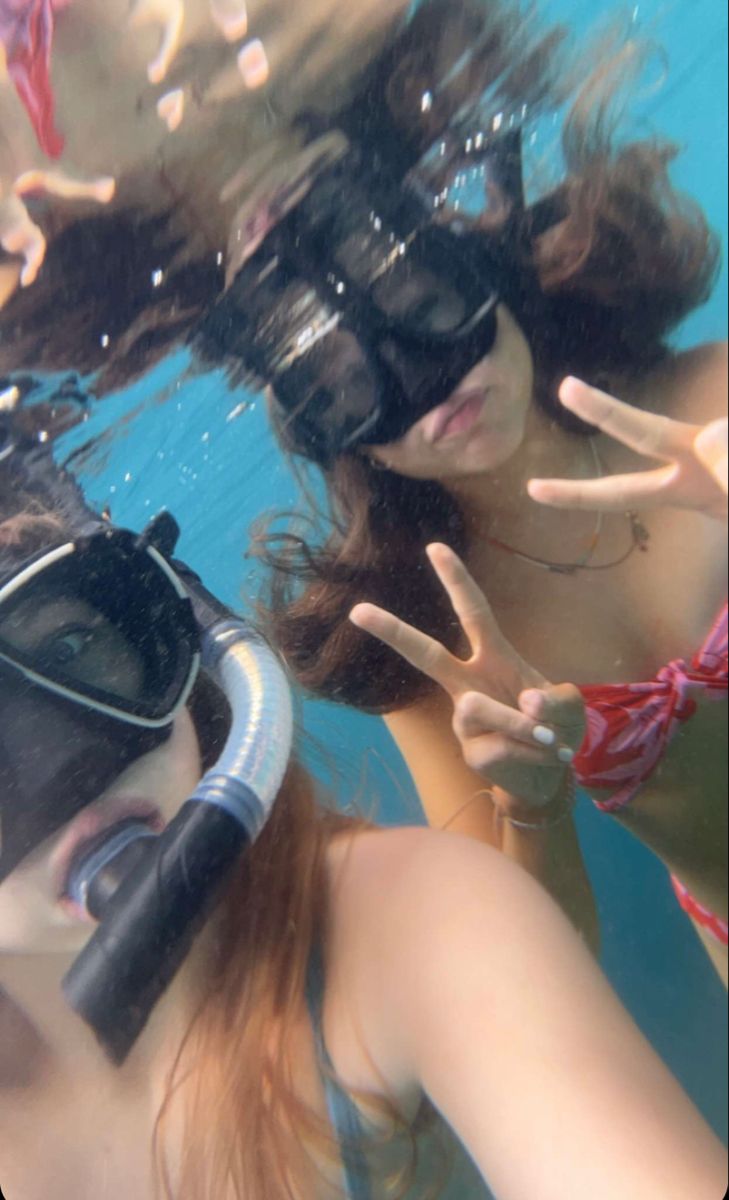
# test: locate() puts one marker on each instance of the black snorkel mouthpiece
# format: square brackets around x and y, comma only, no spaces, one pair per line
[151,897]
[95,876]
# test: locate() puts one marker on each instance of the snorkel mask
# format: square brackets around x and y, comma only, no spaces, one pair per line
[360,313]
[101,642]
[99,651]
[351,301]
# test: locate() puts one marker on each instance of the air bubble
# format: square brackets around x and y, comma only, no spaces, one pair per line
[237,411]
[9,399]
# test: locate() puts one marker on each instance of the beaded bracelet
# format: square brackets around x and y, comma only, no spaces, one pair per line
[568,801]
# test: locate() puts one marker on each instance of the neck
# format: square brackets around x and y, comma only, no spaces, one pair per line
[496,502]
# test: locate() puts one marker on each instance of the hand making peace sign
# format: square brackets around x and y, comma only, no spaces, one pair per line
[513,726]
[694,474]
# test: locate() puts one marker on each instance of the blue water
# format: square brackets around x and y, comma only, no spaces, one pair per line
[176,442]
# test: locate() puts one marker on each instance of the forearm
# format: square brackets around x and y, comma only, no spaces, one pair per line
[456,799]
[551,854]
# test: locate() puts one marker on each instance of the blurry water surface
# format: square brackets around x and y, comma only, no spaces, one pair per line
[205,453]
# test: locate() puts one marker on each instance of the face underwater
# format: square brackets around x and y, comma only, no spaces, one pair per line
[482,423]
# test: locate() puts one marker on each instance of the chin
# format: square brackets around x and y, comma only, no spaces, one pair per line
[485,453]
[44,929]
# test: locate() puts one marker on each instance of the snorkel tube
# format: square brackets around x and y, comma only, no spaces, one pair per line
[152,893]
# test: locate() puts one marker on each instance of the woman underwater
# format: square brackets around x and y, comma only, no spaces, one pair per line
[333,992]
[591,281]
[162,202]
[427,394]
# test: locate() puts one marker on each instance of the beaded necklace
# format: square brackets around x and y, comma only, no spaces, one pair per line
[640,538]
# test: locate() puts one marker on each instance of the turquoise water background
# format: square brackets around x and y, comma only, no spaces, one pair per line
[182,443]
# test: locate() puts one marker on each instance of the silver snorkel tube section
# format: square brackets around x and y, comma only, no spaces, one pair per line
[152,893]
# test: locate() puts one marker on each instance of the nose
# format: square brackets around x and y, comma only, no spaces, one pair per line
[415,370]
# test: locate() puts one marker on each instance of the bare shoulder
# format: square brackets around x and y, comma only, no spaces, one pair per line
[414,850]
[691,386]
[389,885]
[389,939]
[422,922]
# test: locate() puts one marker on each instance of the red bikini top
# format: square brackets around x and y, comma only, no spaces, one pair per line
[630,725]
[26,33]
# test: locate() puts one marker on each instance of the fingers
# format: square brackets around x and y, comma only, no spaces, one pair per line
[528,740]
[231,17]
[170,15]
[492,754]
[712,450]
[495,665]
[421,651]
[647,433]
[561,708]
[469,603]
[613,493]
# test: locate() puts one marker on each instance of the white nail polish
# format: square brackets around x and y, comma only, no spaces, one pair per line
[565,755]
[544,736]
[253,64]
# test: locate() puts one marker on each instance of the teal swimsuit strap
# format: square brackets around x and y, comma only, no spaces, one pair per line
[343,1114]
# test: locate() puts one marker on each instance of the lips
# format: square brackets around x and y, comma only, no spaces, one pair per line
[90,824]
[455,416]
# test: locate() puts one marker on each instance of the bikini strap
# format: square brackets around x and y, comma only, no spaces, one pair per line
[343,1113]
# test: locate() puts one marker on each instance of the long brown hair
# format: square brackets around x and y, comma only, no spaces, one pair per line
[247,1131]
[624,260]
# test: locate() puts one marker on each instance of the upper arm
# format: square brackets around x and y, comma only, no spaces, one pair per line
[487,999]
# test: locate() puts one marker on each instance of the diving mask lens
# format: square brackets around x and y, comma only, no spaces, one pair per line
[104,622]
[419,286]
[332,393]
[346,376]
[414,298]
